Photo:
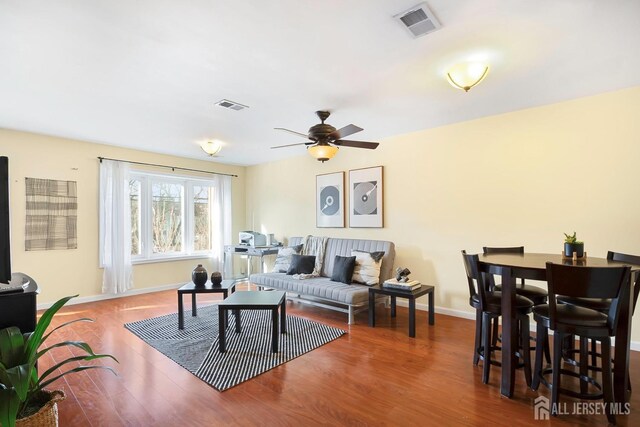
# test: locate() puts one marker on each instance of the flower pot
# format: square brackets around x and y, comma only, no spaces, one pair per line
[199,275]
[570,248]
[47,416]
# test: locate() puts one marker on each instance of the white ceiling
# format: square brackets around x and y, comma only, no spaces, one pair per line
[145,74]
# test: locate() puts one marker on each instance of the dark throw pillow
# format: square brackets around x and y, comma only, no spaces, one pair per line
[343,269]
[301,264]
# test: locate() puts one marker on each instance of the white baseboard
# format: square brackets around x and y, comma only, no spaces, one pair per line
[93,298]
[635,345]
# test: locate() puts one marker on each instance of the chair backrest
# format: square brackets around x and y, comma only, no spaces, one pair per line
[504,250]
[628,259]
[476,280]
[588,282]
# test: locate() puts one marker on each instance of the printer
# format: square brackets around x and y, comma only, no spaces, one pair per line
[252,238]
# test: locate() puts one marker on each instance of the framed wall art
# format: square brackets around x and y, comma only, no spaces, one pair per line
[330,200]
[365,197]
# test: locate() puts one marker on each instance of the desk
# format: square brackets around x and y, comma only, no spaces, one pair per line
[249,252]
[533,266]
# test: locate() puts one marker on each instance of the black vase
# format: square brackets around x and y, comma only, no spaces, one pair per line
[216,278]
[199,275]
[570,248]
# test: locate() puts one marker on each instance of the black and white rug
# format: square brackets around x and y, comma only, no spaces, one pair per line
[195,348]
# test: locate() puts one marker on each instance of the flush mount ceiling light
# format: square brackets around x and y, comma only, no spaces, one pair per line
[467,74]
[211,147]
[322,151]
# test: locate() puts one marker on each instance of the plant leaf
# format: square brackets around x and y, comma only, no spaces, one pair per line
[78,369]
[80,344]
[19,377]
[73,359]
[9,404]
[84,319]
[11,346]
[35,340]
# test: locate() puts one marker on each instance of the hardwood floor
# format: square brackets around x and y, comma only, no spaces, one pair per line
[371,376]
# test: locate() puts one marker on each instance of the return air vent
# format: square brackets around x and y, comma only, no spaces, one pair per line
[419,20]
[225,103]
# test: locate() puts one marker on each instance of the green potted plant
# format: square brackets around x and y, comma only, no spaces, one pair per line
[23,398]
[571,245]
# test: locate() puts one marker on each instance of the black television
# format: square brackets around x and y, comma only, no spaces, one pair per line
[5,231]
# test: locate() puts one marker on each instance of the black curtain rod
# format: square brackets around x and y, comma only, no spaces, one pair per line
[173,168]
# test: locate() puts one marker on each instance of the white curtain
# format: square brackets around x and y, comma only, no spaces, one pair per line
[115,227]
[220,219]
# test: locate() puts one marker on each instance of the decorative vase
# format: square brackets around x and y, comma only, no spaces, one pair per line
[47,415]
[216,278]
[199,275]
[570,248]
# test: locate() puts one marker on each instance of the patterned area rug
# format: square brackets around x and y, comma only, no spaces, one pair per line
[195,348]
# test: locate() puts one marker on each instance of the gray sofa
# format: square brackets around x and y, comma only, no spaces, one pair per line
[321,291]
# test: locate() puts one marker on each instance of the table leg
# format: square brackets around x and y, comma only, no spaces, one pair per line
[238,325]
[222,344]
[393,306]
[180,312]
[372,309]
[283,317]
[432,313]
[509,335]
[621,352]
[194,306]
[412,316]
[274,331]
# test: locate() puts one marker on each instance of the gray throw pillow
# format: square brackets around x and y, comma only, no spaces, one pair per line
[283,260]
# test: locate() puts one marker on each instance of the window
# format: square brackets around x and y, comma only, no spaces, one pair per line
[171,217]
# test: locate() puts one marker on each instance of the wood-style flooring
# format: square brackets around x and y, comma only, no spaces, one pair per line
[371,376]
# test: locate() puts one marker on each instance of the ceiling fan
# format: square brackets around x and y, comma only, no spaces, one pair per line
[325,139]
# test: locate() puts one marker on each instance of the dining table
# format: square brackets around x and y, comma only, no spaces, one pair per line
[532,266]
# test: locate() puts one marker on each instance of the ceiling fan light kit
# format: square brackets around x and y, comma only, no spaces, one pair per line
[212,147]
[466,75]
[325,139]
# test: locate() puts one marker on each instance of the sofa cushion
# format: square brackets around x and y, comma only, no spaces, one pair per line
[367,270]
[321,287]
[301,264]
[283,260]
[343,267]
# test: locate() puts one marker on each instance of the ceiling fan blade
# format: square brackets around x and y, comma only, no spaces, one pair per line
[304,135]
[291,145]
[356,144]
[345,131]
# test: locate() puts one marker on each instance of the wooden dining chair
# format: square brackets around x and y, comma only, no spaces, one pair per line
[534,293]
[488,306]
[566,319]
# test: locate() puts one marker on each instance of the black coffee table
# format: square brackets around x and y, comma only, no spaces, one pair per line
[253,300]
[227,286]
[410,295]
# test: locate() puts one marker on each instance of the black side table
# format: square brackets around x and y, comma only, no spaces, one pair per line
[226,287]
[410,295]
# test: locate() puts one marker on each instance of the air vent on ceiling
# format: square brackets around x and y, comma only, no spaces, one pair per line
[419,20]
[231,105]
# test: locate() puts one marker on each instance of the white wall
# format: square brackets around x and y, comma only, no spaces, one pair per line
[521,178]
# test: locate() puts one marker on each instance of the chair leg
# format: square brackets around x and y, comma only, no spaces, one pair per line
[542,343]
[607,379]
[584,363]
[486,343]
[558,339]
[524,348]
[495,333]
[594,353]
[547,350]
[478,344]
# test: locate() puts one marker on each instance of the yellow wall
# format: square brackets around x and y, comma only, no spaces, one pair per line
[521,178]
[67,272]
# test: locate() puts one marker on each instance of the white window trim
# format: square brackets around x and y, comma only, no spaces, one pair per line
[147,256]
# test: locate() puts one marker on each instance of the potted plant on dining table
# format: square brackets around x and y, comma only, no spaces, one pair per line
[573,245]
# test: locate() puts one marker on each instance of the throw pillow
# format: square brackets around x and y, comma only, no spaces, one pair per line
[343,269]
[367,270]
[302,264]
[283,260]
